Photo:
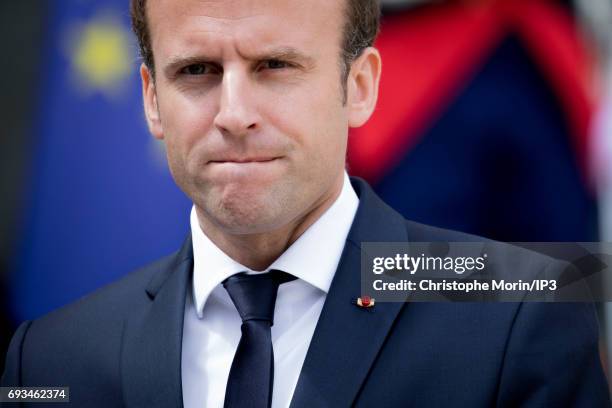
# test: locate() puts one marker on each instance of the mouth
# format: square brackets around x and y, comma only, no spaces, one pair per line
[246,167]
[246,160]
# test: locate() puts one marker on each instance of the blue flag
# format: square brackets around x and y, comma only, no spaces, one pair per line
[101,201]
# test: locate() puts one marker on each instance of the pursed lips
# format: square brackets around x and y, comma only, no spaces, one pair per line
[245,160]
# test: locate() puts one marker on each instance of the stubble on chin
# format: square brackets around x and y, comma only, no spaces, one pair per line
[243,211]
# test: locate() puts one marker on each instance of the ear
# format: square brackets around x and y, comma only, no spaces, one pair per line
[362,86]
[149,97]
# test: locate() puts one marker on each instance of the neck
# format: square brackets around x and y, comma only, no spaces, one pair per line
[258,251]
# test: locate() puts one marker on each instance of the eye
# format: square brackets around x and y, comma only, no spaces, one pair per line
[275,64]
[197,69]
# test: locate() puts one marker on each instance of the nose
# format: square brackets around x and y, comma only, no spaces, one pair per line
[237,113]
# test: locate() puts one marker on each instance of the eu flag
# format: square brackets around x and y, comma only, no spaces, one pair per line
[101,201]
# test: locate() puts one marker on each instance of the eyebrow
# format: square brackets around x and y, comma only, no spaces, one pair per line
[289,54]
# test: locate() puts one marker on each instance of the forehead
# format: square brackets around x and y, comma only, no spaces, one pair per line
[244,25]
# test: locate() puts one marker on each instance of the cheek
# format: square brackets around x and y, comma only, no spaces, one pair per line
[329,127]
[185,122]
[313,116]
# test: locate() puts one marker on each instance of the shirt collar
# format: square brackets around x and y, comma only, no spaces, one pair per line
[325,238]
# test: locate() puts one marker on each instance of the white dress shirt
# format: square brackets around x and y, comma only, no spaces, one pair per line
[211,327]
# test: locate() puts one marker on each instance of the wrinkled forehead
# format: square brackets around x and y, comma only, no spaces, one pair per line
[243,24]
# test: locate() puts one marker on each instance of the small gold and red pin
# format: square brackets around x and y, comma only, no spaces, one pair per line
[365,301]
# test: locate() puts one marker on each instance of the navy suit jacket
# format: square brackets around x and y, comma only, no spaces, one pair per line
[121,345]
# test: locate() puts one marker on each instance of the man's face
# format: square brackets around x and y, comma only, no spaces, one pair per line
[248,100]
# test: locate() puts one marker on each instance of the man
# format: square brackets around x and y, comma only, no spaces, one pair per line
[253,101]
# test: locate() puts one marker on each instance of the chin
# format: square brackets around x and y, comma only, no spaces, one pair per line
[244,213]
[256,206]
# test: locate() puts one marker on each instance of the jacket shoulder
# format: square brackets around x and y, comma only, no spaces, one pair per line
[504,260]
[418,232]
[108,304]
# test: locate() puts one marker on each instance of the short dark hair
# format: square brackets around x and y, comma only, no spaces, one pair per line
[360,30]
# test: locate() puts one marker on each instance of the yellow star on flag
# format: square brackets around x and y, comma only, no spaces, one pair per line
[100,54]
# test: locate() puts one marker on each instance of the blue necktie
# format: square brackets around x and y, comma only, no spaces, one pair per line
[252,374]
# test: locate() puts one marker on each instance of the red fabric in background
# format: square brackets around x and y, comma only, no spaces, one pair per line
[430,54]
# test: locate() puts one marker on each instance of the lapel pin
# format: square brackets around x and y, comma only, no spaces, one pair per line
[365,301]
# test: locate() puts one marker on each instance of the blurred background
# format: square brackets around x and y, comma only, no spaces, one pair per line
[494,118]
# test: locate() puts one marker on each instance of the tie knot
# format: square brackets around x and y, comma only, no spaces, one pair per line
[255,295]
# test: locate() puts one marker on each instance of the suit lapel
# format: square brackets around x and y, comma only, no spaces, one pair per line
[151,353]
[347,338]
